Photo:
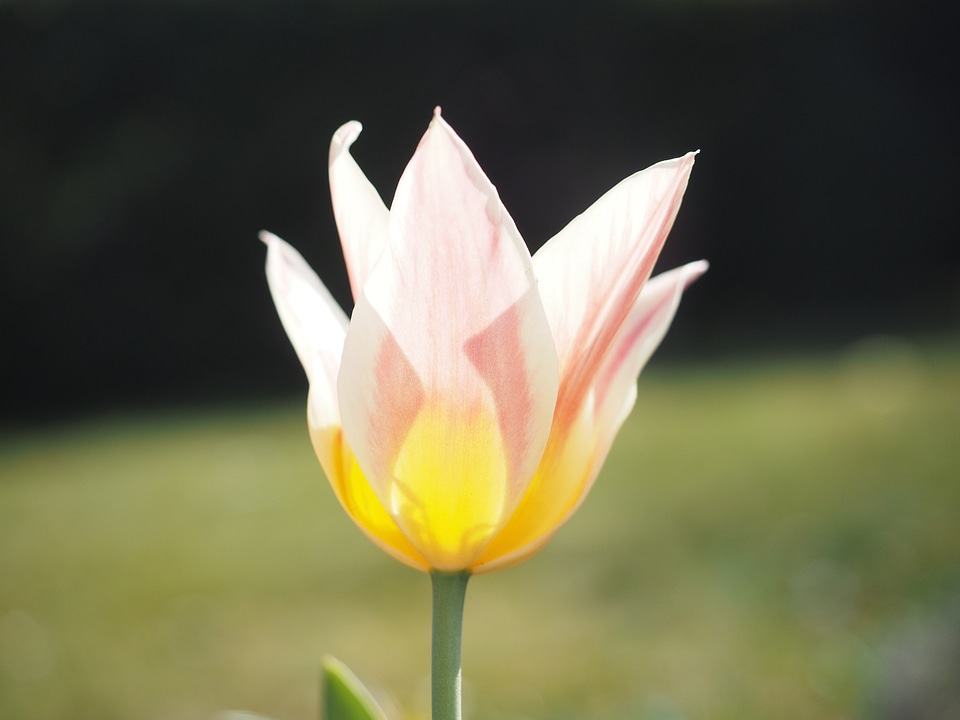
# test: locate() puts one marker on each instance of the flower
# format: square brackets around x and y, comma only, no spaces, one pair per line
[464,411]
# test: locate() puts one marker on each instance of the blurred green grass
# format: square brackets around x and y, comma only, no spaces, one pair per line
[764,539]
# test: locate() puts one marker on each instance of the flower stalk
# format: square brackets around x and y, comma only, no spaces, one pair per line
[449,590]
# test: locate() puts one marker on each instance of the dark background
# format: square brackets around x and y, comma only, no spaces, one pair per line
[144,144]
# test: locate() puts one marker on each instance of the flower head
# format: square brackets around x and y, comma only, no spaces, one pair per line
[463,412]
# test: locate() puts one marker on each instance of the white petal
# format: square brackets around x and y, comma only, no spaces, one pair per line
[315,324]
[360,213]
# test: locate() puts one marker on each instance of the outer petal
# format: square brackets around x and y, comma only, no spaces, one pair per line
[449,374]
[360,213]
[316,327]
[592,271]
[573,459]
[555,491]
[646,326]
[357,497]
[591,275]
[314,322]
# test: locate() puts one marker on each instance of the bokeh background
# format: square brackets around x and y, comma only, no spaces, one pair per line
[777,533]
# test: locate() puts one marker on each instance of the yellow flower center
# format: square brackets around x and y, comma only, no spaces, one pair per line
[450,483]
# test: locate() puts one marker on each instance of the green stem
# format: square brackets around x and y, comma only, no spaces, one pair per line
[449,590]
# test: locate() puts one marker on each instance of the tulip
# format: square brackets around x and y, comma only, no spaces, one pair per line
[464,411]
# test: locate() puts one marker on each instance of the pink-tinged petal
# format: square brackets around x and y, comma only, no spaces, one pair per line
[591,275]
[449,374]
[360,213]
[592,271]
[315,324]
[615,388]
[554,492]
[579,446]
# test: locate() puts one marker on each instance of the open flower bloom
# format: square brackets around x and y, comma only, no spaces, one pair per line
[463,412]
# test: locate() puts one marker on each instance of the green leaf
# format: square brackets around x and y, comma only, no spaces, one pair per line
[344,696]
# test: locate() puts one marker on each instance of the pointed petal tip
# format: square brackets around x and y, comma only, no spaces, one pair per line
[685,161]
[438,121]
[691,272]
[267,237]
[680,166]
[343,138]
[696,269]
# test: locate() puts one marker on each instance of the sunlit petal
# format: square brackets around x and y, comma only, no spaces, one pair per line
[465,410]
[578,448]
[592,271]
[314,322]
[360,213]
[449,373]
[556,489]
[615,388]
[357,497]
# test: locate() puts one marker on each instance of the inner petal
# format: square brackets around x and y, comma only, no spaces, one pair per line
[449,484]
[555,491]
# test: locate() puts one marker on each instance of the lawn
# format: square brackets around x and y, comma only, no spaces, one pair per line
[767,540]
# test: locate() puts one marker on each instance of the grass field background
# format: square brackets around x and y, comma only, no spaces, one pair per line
[767,540]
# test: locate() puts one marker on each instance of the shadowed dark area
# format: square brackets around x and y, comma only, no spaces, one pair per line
[143,145]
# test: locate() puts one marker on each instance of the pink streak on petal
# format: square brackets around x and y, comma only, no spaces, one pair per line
[455,292]
[612,398]
[458,259]
[498,355]
[592,272]
[399,396]
[644,329]
[615,390]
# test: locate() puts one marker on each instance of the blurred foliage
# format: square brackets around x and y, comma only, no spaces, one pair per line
[144,144]
[766,541]
[344,696]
